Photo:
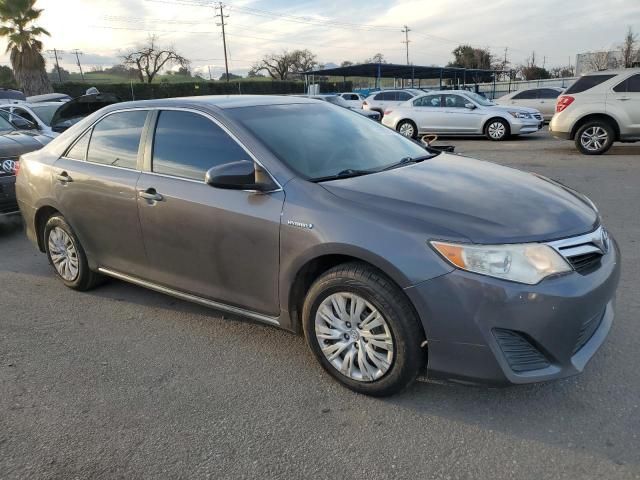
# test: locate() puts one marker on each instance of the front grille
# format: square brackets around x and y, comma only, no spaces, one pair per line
[585,263]
[584,252]
[587,329]
[521,355]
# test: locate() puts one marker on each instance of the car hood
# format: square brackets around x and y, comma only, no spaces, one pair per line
[18,142]
[74,110]
[480,201]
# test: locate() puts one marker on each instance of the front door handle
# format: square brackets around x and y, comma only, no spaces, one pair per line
[64,177]
[150,194]
[624,99]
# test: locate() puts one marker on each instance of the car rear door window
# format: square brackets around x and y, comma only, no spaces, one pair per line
[631,84]
[116,139]
[187,144]
[548,93]
[585,83]
[526,95]
[404,96]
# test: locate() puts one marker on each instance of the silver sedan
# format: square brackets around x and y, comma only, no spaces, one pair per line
[459,112]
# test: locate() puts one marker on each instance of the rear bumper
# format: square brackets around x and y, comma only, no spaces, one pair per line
[489,331]
[558,130]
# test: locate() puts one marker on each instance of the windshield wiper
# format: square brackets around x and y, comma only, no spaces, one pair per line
[407,160]
[348,173]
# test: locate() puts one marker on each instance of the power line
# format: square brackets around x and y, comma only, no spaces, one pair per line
[77,52]
[55,55]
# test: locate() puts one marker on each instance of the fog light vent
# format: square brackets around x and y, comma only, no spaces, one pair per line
[521,355]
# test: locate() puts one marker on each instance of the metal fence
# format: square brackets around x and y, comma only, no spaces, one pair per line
[503,88]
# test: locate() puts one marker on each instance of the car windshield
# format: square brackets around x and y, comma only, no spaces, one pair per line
[319,141]
[45,112]
[5,125]
[479,99]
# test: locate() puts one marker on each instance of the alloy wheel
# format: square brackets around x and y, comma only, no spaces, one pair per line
[594,138]
[63,253]
[407,130]
[354,337]
[496,130]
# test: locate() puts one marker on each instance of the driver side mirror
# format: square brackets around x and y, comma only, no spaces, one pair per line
[240,175]
[470,106]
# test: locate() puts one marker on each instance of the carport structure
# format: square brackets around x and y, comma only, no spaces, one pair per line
[461,77]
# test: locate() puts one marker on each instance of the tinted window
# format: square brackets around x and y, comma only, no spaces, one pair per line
[187,145]
[548,93]
[327,140]
[379,96]
[79,149]
[390,96]
[428,101]
[587,82]
[526,95]
[116,138]
[45,112]
[455,101]
[631,84]
[404,96]
[24,114]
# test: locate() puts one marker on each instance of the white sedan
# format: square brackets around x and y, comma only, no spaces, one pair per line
[460,112]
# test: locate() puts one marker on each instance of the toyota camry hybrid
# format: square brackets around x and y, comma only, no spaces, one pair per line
[389,257]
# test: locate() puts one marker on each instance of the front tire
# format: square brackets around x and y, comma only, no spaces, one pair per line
[362,330]
[497,130]
[66,255]
[408,129]
[594,138]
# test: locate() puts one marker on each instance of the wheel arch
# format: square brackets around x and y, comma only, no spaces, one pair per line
[43,214]
[596,116]
[496,117]
[301,277]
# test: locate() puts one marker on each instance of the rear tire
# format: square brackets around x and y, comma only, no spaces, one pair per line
[408,129]
[66,255]
[497,129]
[594,137]
[363,330]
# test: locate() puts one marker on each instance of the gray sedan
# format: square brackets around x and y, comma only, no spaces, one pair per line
[459,112]
[387,256]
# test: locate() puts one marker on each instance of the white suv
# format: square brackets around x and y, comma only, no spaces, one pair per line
[379,101]
[599,109]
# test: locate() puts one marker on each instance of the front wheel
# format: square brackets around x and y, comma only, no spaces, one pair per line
[594,138]
[497,130]
[362,330]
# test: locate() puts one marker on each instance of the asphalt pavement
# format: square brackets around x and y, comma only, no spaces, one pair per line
[122,382]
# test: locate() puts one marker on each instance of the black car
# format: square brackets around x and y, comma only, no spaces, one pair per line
[17,136]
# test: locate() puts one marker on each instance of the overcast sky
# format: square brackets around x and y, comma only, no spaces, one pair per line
[337,30]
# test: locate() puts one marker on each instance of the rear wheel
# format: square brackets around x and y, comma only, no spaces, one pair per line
[362,330]
[407,128]
[497,129]
[67,256]
[594,137]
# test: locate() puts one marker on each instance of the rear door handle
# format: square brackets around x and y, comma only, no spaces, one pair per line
[624,99]
[150,194]
[64,177]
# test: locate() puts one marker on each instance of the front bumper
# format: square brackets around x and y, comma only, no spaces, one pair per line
[8,203]
[523,126]
[490,331]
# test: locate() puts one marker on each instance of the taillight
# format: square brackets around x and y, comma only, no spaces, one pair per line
[563,102]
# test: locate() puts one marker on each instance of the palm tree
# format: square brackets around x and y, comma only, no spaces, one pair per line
[25,49]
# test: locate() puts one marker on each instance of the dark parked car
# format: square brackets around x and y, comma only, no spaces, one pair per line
[17,136]
[386,255]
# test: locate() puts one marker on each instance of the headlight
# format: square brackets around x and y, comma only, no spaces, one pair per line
[525,263]
[520,115]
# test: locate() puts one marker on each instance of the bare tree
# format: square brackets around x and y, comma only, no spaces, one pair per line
[629,49]
[286,64]
[598,61]
[377,58]
[150,59]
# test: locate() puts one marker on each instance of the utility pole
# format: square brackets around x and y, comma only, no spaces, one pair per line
[406,41]
[209,67]
[55,55]
[224,39]
[77,52]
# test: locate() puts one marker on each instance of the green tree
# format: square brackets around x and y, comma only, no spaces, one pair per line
[23,46]
[466,56]
[7,80]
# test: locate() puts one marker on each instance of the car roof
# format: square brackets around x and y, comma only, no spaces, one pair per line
[219,101]
[613,71]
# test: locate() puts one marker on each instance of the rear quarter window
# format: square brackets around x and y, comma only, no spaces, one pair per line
[587,82]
